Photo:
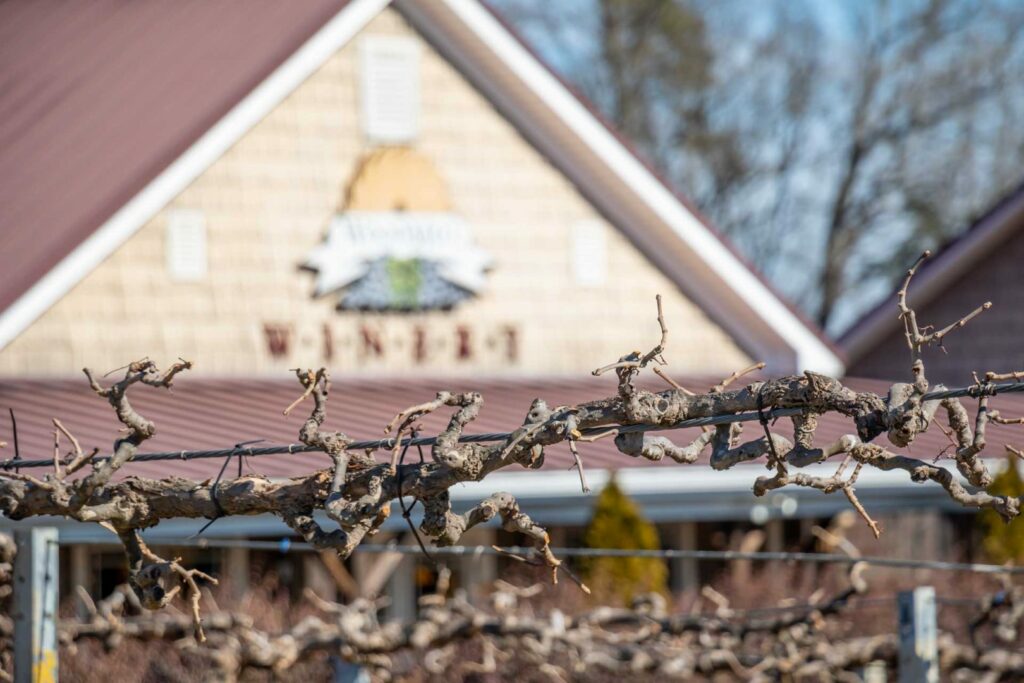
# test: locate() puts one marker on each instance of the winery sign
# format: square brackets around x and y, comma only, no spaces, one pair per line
[395,243]
[398,260]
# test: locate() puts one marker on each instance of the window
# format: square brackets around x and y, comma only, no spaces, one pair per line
[589,253]
[390,88]
[185,245]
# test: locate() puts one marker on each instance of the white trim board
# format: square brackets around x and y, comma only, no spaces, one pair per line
[334,34]
[640,482]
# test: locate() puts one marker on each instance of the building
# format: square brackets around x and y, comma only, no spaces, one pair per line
[400,191]
[983,264]
[243,185]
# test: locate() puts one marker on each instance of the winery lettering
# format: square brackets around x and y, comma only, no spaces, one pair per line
[397,341]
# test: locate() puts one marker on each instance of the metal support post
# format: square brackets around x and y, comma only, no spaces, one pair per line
[919,653]
[35,605]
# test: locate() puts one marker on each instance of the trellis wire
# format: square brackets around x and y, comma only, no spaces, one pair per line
[991,389]
[286,545]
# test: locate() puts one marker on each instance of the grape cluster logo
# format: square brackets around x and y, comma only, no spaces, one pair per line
[396,245]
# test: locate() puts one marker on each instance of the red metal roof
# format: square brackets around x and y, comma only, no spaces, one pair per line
[204,413]
[100,96]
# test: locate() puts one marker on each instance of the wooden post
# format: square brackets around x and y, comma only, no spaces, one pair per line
[775,541]
[343,578]
[316,577]
[478,572]
[80,564]
[236,569]
[35,605]
[80,568]
[685,570]
[401,589]
[919,654]
[373,571]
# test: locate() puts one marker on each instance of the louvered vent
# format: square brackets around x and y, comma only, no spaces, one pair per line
[390,88]
[589,253]
[186,244]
